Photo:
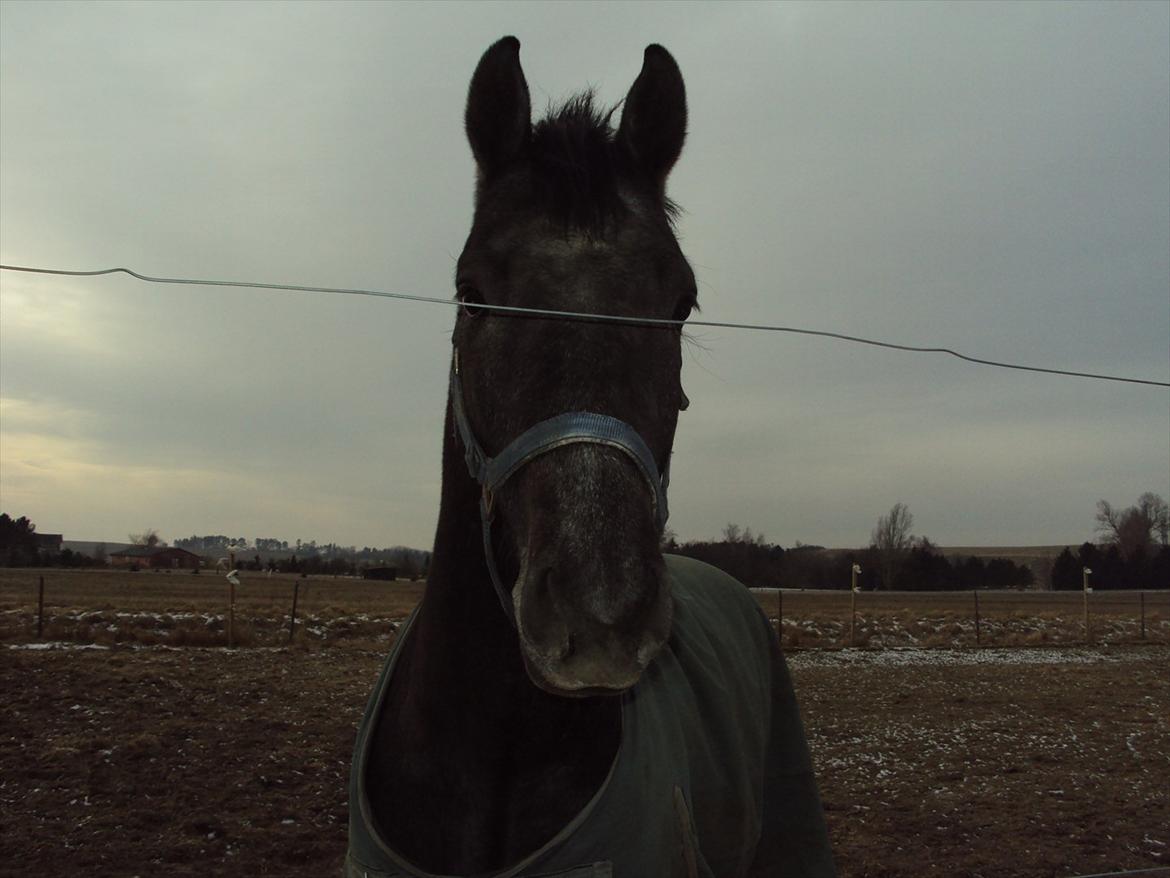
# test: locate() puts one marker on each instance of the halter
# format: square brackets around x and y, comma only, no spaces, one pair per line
[563,429]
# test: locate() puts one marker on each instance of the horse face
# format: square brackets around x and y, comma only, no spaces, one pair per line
[571,216]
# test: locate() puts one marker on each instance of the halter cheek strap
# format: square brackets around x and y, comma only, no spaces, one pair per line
[563,429]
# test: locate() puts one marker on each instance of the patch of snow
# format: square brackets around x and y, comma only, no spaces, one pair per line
[894,657]
[56,644]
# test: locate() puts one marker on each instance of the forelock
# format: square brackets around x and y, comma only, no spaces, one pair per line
[576,168]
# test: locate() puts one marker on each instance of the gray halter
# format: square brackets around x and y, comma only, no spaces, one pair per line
[559,430]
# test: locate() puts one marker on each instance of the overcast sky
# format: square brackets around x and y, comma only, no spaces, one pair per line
[992,178]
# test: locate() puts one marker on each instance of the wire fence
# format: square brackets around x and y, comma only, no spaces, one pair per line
[179,609]
[108,608]
[588,316]
[837,619]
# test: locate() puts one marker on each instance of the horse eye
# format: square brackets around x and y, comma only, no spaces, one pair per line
[469,297]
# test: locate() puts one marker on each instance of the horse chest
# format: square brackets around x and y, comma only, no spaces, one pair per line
[684,795]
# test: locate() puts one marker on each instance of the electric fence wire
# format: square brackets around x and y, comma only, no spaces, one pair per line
[581,315]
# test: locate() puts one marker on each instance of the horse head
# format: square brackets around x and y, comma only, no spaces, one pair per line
[571,215]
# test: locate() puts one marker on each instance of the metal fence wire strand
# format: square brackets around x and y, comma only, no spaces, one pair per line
[583,315]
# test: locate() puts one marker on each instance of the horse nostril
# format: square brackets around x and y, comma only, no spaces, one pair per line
[569,647]
[541,619]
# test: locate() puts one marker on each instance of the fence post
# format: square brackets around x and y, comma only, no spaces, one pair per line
[853,605]
[41,608]
[293,618]
[853,618]
[978,637]
[1085,588]
[1142,595]
[231,620]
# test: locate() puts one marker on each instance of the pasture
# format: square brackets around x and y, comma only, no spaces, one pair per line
[180,609]
[126,751]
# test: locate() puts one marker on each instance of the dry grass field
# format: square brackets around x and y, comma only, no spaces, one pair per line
[129,749]
[181,609]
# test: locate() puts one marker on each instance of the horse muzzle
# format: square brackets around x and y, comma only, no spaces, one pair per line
[581,640]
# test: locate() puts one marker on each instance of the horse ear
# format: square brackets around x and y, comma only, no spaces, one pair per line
[499,116]
[654,118]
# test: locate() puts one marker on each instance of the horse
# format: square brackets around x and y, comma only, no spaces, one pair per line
[566,699]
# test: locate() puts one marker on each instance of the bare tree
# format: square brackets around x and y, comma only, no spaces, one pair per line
[1136,528]
[148,538]
[733,533]
[892,540]
[1158,514]
[753,539]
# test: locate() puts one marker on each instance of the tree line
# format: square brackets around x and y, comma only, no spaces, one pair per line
[764,565]
[1133,553]
[1110,569]
[19,547]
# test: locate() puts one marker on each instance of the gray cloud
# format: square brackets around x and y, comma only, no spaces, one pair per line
[992,178]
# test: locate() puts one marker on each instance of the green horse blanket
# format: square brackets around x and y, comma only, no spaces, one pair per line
[712,778]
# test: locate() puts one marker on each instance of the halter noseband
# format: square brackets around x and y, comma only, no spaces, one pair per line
[563,429]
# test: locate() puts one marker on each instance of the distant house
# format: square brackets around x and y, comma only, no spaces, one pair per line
[156,558]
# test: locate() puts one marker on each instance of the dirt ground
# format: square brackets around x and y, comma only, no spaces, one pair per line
[121,761]
[1022,762]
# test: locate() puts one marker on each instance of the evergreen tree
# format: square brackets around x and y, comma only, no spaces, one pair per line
[18,542]
[1066,572]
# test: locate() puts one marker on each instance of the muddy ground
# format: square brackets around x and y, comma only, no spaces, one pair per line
[123,761]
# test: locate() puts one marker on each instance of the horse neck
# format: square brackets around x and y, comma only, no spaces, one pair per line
[462,716]
[462,638]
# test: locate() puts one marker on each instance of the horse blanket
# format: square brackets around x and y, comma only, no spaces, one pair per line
[712,778]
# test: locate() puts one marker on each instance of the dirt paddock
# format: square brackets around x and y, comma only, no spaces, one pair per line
[129,760]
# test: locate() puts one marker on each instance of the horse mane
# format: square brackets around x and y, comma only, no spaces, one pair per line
[577,168]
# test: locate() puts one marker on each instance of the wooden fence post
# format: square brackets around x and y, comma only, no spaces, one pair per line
[978,638]
[292,621]
[1142,595]
[41,608]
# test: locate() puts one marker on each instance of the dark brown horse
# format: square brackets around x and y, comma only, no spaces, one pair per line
[626,713]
